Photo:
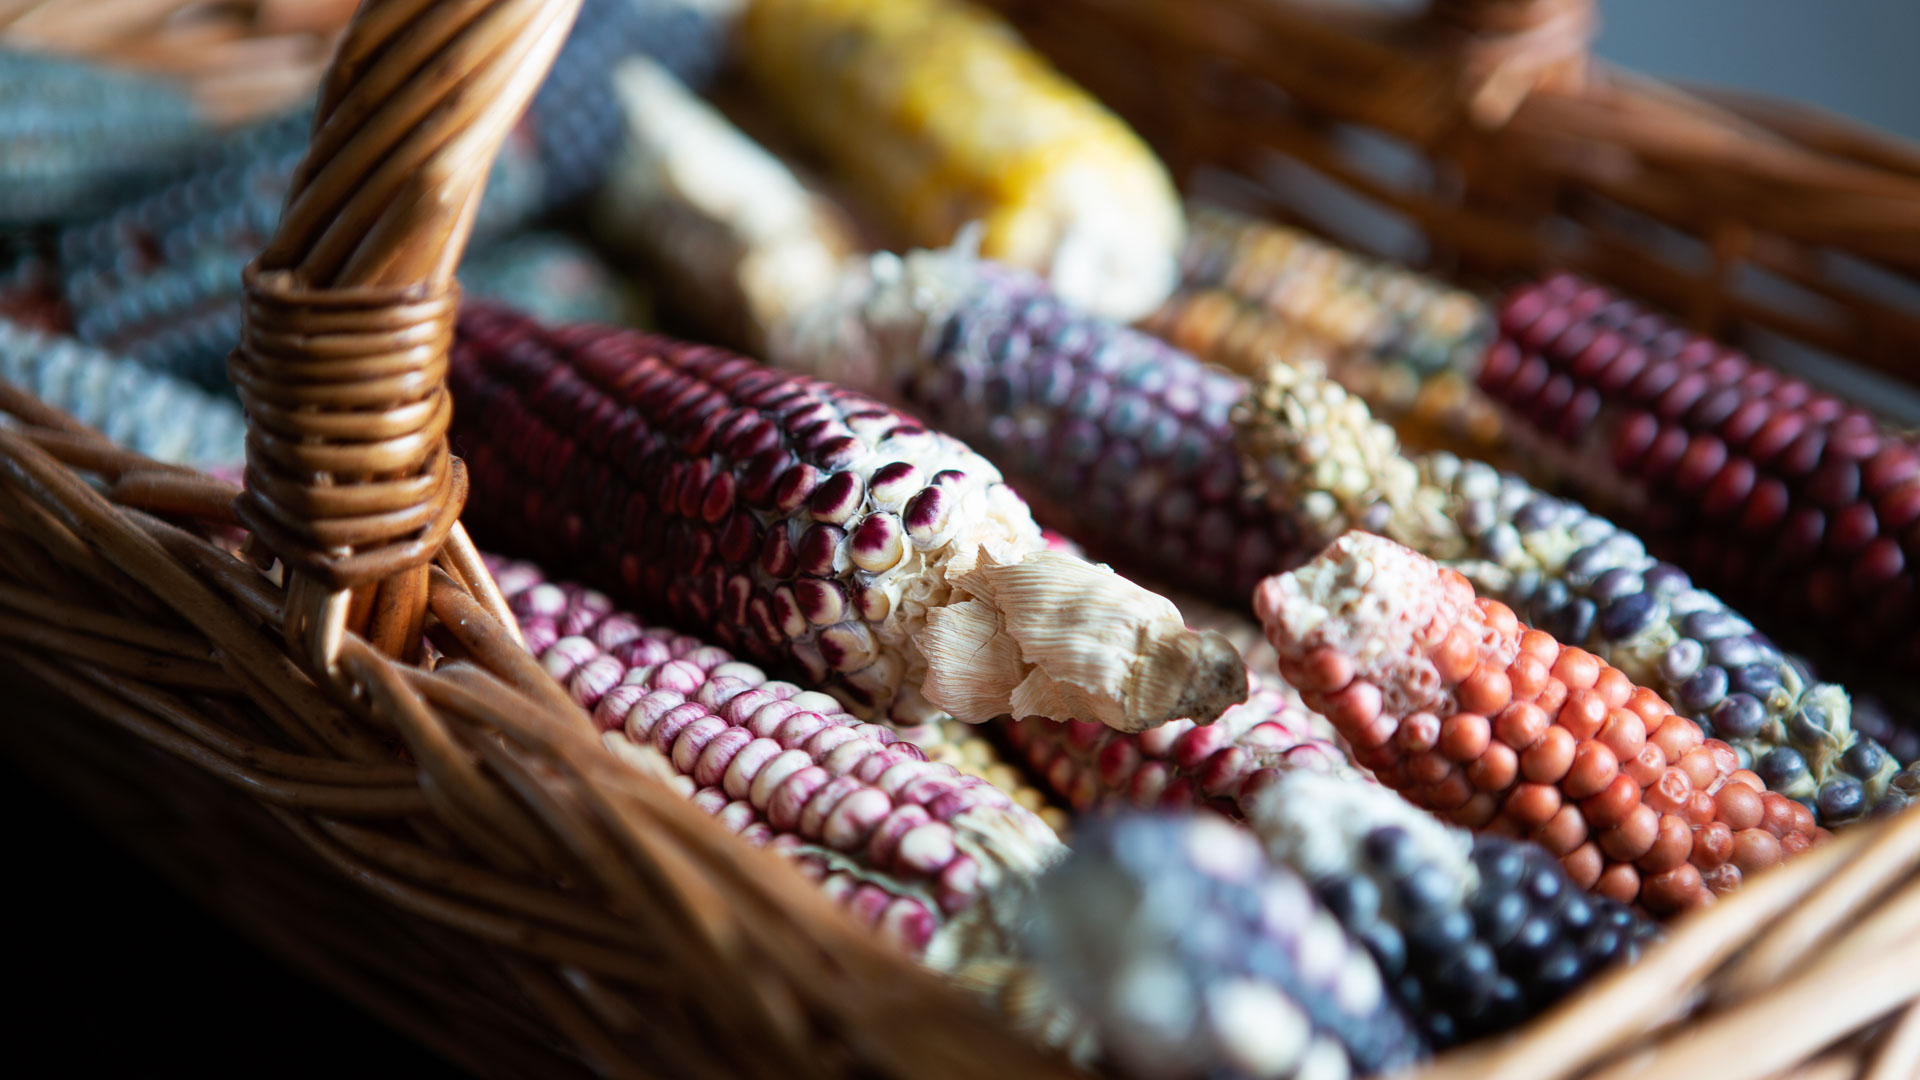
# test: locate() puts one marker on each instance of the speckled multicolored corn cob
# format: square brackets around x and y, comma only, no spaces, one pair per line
[143,410]
[1474,933]
[1120,439]
[554,277]
[74,137]
[735,235]
[1181,765]
[1448,699]
[1194,957]
[1778,494]
[811,527]
[932,858]
[1317,452]
[945,117]
[158,279]
[1253,291]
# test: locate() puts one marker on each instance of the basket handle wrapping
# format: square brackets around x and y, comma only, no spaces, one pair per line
[349,316]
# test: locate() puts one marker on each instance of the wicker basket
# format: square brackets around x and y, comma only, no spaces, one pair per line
[1486,127]
[443,837]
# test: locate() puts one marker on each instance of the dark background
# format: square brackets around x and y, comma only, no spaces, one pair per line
[119,972]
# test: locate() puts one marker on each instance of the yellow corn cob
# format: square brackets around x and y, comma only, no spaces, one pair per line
[945,117]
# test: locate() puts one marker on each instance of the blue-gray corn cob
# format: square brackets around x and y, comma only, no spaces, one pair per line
[1114,436]
[554,277]
[1475,933]
[1191,956]
[158,279]
[75,137]
[1318,453]
[141,409]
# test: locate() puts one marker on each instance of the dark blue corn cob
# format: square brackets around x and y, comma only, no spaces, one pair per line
[1474,933]
[1116,437]
[74,138]
[1191,956]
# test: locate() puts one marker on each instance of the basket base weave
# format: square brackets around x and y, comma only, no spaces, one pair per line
[234,859]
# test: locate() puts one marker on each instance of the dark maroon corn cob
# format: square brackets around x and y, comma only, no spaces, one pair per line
[1117,437]
[930,857]
[1777,495]
[809,527]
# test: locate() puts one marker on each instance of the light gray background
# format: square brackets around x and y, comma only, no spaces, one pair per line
[1857,57]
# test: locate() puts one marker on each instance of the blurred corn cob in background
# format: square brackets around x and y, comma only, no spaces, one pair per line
[943,117]
[1192,956]
[138,408]
[1787,499]
[75,138]
[238,59]
[158,279]
[739,243]
[1252,292]
[1448,699]
[936,861]
[1475,934]
[554,277]
[1318,454]
[809,527]
[1118,438]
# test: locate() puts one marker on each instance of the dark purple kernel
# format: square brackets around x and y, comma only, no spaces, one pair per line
[1704,690]
[817,550]
[1760,679]
[1711,624]
[925,514]
[837,498]
[777,555]
[1733,652]
[1615,583]
[1739,716]
[1626,616]
[794,487]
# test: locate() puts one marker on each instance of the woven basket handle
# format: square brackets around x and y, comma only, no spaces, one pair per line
[1509,47]
[350,312]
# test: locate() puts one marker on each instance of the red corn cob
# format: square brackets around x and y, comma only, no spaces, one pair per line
[916,848]
[1773,493]
[809,527]
[1448,699]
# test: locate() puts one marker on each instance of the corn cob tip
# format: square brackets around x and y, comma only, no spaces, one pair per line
[1054,635]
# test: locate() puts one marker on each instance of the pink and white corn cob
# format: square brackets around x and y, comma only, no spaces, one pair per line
[924,853]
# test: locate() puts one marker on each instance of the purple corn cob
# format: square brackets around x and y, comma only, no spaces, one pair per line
[1117,437]
[809,527]
[919,850]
